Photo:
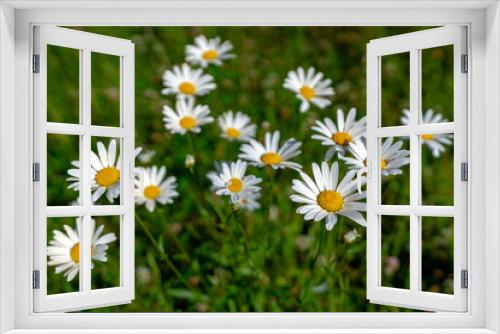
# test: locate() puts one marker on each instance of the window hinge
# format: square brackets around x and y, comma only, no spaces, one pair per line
[36,279]
[36,172]
[465,64]
[464,171]
[464,279]
[36,63]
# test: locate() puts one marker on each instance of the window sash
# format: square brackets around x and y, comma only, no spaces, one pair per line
[414,297]
[86,43]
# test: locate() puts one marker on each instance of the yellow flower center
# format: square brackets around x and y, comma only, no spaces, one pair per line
[233,133]
[187,122]
[383,164]
[235,185]
[270,158]
[187,88]
[330,200]
[152,192]
[107,176]
[341,138]
[210,55]
[427,136]
[74,253]
[307,92]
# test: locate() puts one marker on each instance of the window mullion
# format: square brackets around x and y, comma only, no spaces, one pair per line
[127,123]
[415,229]
[86,231]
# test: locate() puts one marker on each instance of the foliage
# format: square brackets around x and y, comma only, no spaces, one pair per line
[270,259]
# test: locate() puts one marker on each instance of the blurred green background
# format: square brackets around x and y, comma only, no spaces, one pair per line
[208,268]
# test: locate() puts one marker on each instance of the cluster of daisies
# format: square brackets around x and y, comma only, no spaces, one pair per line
[322,195]
[151,183]
[151,186]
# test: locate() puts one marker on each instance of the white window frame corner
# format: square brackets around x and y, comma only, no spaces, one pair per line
[16,21]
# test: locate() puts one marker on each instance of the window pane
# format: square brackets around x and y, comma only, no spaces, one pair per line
[105,89]
[63,255]
[395,173]
[63,172]
[395,251]
[106,252]
[395,95]
[437,254]
[63,84]
[437,71]
[105,171]
[437,169]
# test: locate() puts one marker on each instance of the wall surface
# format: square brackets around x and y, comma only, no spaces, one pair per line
[7,181]
[493,165]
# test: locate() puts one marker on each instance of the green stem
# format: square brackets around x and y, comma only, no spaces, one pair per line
[246,245]
[313,261]
[204,202]
[271,194]
[163,213]
[196,179]
[164,256]
[230,216]
[193,147]
[318,249]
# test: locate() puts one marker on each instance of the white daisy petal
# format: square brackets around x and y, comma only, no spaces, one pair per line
[270,153]
[236,127]
[433,142]
[323,198]
[66,258]
[187,83]
[309,87]
[231,181]
[152,185]
[342,134]
[105,172]
[208,51]
[187,117]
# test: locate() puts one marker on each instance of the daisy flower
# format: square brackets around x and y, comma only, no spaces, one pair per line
[186,117]
[186,82]
[236,126]
[249,201]
[393,157]
[144,156]
[339,136]
[151,186]
[309,87]
[357,162]
[435,142]
[208,51]
[325,198]
[271,154]
[359,155]
[232,181]
[104,173]
[64,249]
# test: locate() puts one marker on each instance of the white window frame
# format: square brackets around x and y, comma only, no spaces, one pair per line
[86,44]
[16,21]
[413,44]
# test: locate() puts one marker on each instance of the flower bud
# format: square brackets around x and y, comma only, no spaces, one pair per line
[236,206]
[190,161]
[350,236]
